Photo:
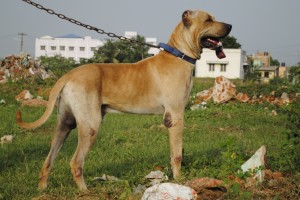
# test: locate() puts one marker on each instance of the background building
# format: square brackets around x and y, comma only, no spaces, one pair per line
[76,47]
[68,46]
[268,73]
[262,59]
[232,67]
[262,62]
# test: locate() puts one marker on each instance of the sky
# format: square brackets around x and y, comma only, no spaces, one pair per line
[258,25]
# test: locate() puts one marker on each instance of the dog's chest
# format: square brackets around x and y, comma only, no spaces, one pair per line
[189,86]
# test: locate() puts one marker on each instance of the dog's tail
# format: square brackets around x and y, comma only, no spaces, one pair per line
[50,106]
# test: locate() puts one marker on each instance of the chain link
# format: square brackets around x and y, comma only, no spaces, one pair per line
[89,27]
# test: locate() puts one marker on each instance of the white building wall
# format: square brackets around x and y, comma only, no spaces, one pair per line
[76,48]
[152,50]
[234,64]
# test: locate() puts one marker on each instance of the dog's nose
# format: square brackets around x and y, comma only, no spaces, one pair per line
[229,27]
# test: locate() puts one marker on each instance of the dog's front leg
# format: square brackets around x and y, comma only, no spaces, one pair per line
[175,125]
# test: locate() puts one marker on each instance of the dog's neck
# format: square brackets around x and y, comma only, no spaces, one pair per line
[184,42]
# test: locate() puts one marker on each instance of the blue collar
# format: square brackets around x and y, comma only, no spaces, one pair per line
[177,53]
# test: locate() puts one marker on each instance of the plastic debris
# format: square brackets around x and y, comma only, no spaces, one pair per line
[2,101]
[169,191]
[201,106]
[157,177]
[139,189]
[105,177]
[255,165]
[285,98]
[274,113]
[6,139]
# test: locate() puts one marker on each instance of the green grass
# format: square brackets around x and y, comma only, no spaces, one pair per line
[130,146]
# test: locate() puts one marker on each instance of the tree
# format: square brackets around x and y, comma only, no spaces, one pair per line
[274,62]
[252,73]
[120,51]
[294,74]
[107,53]
[57,64]
[230,42]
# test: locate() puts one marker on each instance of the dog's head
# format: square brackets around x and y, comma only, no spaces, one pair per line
[205,30]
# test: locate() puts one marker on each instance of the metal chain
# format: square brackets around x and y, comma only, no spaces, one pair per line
[98,30]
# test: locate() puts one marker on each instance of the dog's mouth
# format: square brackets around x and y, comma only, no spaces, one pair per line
[214,44]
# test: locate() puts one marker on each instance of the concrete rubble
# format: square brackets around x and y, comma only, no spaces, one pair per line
[224,91]
[23,66]
[24,95]
[198,188]
[26,99]
[207,188]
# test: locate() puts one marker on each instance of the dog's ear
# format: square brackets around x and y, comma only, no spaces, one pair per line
[186,18]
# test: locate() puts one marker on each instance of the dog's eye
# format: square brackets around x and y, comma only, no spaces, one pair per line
[209,19]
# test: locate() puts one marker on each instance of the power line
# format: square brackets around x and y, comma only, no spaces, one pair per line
[22,40]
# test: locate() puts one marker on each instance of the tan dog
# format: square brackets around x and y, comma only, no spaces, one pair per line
[158,85]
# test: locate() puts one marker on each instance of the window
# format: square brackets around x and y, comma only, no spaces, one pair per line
[53,48]
[223,67]
[43,47]
[93,49]
[71,48]
[62,48]
[211,67]
[266,74]
[81,48]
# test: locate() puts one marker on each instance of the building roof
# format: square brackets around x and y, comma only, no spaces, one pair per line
[269,68]
[46,37]
[69,36]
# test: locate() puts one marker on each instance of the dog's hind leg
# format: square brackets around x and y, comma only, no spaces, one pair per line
[88,121]
[65,124]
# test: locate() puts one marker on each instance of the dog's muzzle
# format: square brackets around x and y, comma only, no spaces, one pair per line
[214,43]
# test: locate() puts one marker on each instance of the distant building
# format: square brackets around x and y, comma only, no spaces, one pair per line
[76,47]
[261,59]
[68,46]
[283,70]
[262,62]
[268,73]
[233,66]
[130,34]
[152,51]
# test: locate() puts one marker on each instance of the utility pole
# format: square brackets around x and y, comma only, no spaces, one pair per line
[22,40]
